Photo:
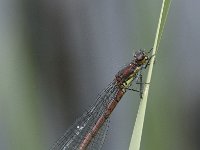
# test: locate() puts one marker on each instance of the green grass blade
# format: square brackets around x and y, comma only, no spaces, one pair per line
[137,131]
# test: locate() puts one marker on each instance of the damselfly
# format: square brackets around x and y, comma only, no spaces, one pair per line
[89,131]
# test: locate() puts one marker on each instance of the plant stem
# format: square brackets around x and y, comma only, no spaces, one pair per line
[137,131]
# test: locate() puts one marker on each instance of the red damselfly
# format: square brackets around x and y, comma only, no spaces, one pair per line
[89,131]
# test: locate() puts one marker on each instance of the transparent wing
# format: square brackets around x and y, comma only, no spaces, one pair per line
[73,137]
[97,142]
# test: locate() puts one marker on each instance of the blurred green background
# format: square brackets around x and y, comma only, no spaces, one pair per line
[56,56]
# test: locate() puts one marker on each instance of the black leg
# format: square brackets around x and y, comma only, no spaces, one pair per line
[150,50]
[149,61]
[141,85]
[132,90]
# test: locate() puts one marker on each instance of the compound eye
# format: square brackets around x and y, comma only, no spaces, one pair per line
[140,57]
